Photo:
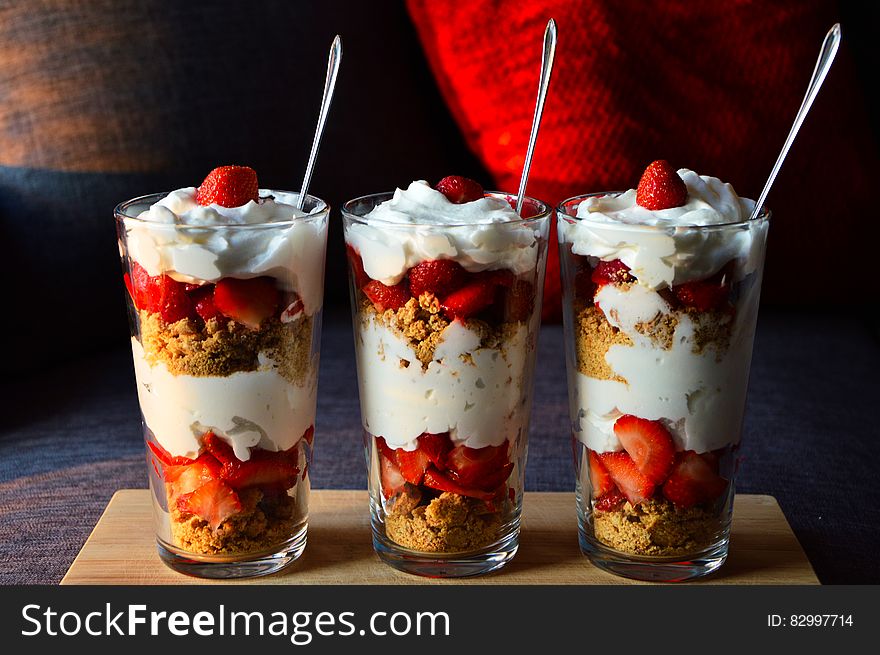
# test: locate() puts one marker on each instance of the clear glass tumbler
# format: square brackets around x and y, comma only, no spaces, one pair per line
[225,331]
[445,381]
[657,380]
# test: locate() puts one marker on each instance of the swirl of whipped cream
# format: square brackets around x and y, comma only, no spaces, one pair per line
[191,243]
[667,247]
[420,224]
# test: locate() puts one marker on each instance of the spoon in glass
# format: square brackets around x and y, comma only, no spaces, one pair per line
[329,86]
[543,83]
[823,65]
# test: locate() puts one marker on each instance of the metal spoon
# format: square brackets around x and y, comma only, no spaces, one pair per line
[329,85]
[543,83]
[823,65]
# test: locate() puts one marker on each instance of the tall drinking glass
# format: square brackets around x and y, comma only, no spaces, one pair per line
[658,365]
[446,322]
[225,329]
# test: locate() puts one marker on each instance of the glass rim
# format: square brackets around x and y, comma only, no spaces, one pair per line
[561,211]
[546,211]
[322,208]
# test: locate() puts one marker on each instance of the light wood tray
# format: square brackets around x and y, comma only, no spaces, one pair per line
[122,549]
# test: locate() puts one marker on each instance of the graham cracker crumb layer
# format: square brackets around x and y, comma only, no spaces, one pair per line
[594,335]
[420,322]
[656,527]
[220,348]
[263,523]
[448,523]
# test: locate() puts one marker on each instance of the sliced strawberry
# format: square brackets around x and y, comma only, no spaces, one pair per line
[384,297]
[412,464]
[219,448]
[477,467]
[703,295]
[584,287]
[469,300]
[693,481]
[635,486]
[357,266]
[613,272]
[435,446]
[126,278]
[500,277]
[648,443]
[141,282]
[229,186]
[434,479]
[187,478]
[263,469]
[610,501]
[600,480]
[203,297]
[491,481]
[661,187]
[213,502]
[166,458]
[437,276]
[389,475]
[459,190]
[309,435]
[248,301]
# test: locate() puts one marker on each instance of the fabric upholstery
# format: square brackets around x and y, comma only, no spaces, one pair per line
[708,86]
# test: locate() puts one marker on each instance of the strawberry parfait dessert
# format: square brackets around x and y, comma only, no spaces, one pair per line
[446,289]
[661,288]
[225,289]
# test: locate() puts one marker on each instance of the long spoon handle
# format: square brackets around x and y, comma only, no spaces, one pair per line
[329,86]
[543,84]
[823,65]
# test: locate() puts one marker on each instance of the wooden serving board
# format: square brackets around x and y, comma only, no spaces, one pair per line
[122,549]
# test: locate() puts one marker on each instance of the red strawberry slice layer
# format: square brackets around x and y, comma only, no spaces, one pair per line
[693,481]
[434,479]
[166,458]
[357,266]
[610,501]
[265,469]
[412,464]
[470,299]
[229,186]
[203,297]
[390,477]
[600,480]
[437,276]
[661,187]
[627,477]
[384,297]
[484,468]
[213,502]
[649,444]
[459,190]
[189,477]
[436,447]
[249,302]
[703,295]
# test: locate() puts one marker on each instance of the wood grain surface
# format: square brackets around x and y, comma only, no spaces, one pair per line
[122,550]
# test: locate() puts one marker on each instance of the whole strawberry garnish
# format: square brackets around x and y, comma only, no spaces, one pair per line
[661,187]
[438,276]
[229,186]
[460,190]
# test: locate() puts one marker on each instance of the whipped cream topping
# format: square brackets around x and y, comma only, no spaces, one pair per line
[253,409]
[481,402]
[191,243]
[699,395]
[666,247]
[420,223]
